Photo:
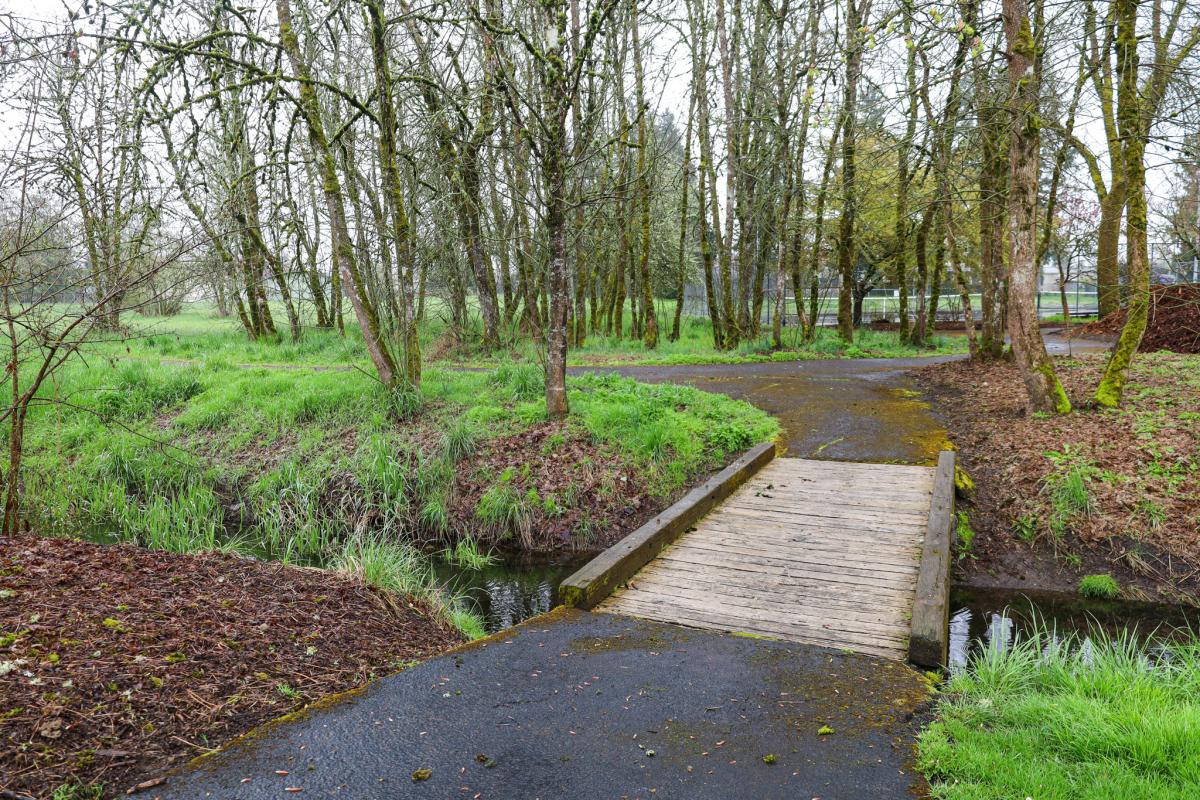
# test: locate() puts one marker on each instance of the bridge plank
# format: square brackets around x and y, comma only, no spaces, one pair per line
[826,553]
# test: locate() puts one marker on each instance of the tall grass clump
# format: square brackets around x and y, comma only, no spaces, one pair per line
[188,521]
[459,440]
[1070,719]
[384,477]
[399,567]
[466,554]
[384,564]
[505,510]
[1102,587]
[1069,489]
[522,380]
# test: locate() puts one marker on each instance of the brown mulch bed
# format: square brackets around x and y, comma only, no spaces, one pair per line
[1142,463]
[118,662]
[1174,322]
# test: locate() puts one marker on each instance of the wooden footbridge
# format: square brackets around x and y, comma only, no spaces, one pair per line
[835,554]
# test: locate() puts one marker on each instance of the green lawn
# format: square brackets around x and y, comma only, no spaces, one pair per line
[1070,721]
[197,334]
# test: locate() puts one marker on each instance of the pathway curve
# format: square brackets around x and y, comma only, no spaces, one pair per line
[847,410]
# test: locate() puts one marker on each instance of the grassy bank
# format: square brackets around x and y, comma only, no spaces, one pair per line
[1069,720]
[329,468]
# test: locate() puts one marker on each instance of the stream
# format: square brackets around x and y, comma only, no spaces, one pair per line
[509,592]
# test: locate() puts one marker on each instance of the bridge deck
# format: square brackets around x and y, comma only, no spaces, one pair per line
[819,552]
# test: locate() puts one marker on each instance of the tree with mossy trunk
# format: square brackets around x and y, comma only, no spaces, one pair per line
[1102,46]
[1136,109]
[543,119]
[856,12]
[331,188]
[993,199]
[1045,392]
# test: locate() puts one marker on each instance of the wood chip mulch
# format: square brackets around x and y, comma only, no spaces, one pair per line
[116,663]
[1174,322]
[1143,524]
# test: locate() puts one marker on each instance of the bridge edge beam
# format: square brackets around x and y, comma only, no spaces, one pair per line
[928,644]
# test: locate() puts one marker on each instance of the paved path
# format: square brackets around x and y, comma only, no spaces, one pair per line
[578,706]
[847,410]
[557,708]
[820,552]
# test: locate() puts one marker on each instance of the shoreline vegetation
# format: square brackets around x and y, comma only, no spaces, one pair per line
[1069,718]
[332,469]
[255,476]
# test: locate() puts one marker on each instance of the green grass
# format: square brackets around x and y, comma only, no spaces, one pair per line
[1069,488]
[287,464]
[695,346]
[197,335]
[1058,719]
[1103,587]
[466,553]
[78,791]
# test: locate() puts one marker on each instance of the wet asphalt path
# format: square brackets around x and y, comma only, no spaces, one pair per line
[579,706]
[838,409]
[845,410]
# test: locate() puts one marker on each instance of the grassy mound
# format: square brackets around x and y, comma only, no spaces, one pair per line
[323,467]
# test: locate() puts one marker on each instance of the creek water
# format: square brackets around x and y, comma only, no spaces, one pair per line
[513,590]
[981,618]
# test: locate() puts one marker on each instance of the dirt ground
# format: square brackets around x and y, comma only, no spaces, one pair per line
[119,662]
[1136,472]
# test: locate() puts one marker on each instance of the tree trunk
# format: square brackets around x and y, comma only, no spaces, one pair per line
[1134,122]
[1108,238]
[1042,386]
[728,248]
[846,222]
[993,180]
[921,255]
[900,263]
[681,267]
[401,230]
[814,266]
[343,248]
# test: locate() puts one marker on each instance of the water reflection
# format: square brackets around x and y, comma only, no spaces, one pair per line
[511,591]
[990,618]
